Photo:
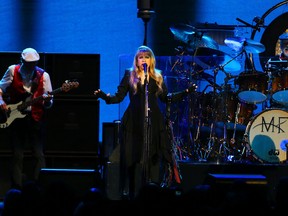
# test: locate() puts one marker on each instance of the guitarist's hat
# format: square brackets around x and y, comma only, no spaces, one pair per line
[30,55]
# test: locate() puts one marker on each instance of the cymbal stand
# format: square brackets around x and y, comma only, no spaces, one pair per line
[211,142]
[233,139]
[194,140]
[223,148]
[196,119]
[271,77]
[212,137]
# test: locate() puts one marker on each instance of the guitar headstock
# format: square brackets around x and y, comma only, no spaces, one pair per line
[68,85]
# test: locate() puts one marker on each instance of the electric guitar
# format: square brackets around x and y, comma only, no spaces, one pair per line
[16,110]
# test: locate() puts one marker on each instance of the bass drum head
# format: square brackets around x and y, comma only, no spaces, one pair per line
[268,135]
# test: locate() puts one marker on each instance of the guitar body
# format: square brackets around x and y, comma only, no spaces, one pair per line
[13,113]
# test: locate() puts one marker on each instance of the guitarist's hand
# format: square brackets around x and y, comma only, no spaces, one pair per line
[3,105]
[100,94]
[47,99]
[3,110]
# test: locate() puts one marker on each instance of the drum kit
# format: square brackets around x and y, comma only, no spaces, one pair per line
[223,126]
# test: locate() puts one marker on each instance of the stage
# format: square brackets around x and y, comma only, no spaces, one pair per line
[193,173]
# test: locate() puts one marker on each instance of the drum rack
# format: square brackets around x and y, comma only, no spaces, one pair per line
[219,125]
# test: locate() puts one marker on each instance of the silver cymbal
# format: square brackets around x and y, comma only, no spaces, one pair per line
[192,37]
[181,31]
[199,40]
[215,58]
[249,45]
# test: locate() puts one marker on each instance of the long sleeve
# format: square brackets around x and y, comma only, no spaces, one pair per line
[47,88]
[122,90]
[7,79]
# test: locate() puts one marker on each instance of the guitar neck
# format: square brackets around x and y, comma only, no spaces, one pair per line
[26,104]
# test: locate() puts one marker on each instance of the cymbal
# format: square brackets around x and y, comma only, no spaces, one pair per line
[199,40]
[192,36]
[181,31]
[249,45]
[215,58]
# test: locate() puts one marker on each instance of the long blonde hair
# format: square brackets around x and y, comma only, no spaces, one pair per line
[153,71]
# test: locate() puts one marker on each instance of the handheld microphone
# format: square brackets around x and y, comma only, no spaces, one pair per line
[145,68]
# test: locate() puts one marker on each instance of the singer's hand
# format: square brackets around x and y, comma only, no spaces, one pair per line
[191,88]
[100,94]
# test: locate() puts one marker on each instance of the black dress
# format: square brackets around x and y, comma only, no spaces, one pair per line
[133,132]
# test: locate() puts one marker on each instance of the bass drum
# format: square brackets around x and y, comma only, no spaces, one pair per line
[267,135]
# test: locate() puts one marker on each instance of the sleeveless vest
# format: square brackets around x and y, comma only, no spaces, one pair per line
[17,93]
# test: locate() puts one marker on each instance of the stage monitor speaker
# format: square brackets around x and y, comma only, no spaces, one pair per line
[77,181]
[112,180]
[73,125]
[215,178]
[110,148]
[223,183]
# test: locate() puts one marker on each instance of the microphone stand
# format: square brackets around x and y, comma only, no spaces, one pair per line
[147,127]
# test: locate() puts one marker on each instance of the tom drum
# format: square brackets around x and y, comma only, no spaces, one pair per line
[279,87]
[252,87]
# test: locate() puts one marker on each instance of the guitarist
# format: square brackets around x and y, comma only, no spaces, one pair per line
[25,81]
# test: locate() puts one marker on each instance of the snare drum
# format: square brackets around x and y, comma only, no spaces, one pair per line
[268,135]
[252,87]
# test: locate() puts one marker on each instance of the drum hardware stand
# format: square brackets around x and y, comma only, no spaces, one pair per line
[271,76]
[210,144]
[194,144]
[197,141]
[212,137]
[183,146]
[233,143]
[223,148]
[191,142]
[246,152]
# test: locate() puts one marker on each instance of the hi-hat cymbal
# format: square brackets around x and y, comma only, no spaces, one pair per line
[192,37]
[215,58]
[249,45]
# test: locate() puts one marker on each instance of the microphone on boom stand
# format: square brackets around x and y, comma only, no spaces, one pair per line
[147,127]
